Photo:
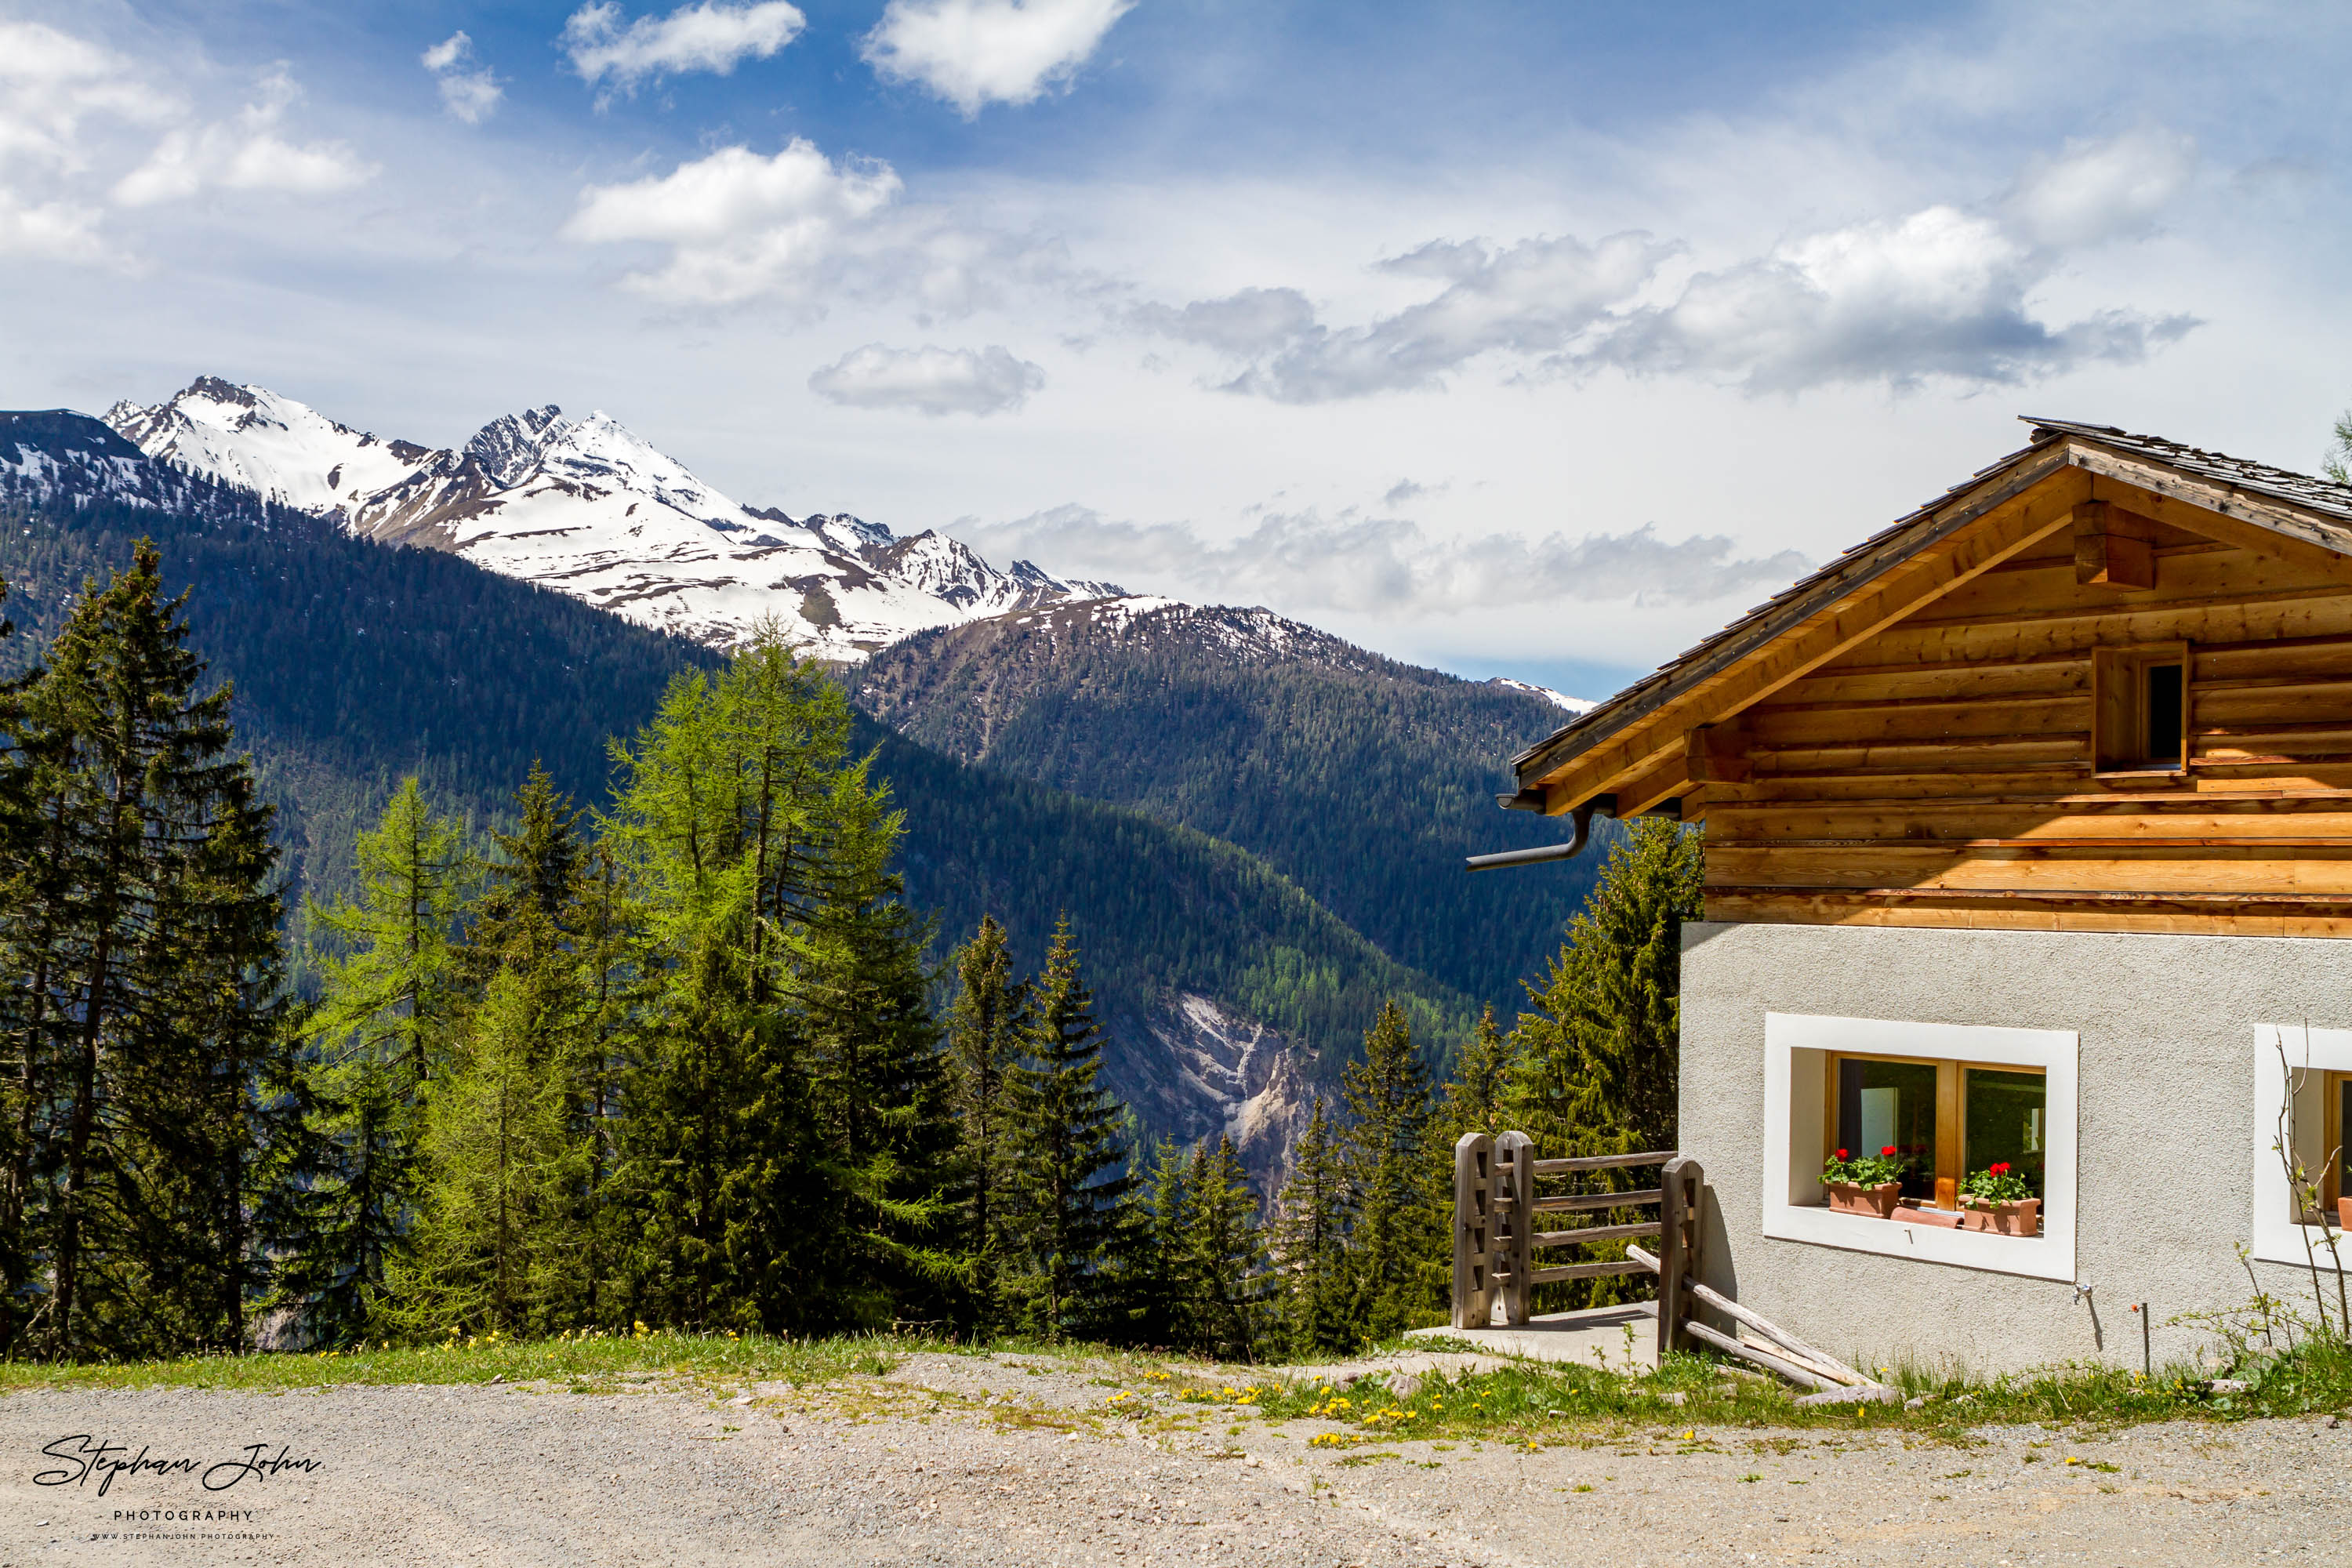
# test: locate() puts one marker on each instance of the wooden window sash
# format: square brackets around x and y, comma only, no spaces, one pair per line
[1951,1110]
[2120,743]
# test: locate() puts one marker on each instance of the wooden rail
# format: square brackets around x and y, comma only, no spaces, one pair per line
[1496,1241]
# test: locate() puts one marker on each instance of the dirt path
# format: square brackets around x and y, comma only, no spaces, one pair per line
[1010,1460]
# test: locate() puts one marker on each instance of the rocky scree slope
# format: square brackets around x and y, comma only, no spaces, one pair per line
[1230,994]
[1364,780]
[587,508]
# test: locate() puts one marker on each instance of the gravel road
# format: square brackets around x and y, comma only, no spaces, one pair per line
[1006,1459]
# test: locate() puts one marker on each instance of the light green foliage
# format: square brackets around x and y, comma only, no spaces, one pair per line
[987,1026]
[1310,1243]
[2337,464]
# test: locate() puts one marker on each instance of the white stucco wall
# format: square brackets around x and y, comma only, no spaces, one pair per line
[2168,1135]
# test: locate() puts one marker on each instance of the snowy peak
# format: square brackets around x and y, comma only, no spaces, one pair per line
[281,450]
[1575,705]
[54,455]
[509,447]
[588,508]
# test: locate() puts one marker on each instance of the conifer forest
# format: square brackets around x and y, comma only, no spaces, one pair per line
[680,1055]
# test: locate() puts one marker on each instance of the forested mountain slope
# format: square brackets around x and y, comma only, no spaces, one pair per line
[356,662]
[1364,780]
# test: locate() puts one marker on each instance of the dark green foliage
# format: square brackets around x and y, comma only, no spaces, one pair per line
[1226,1256]
[1360,779]
[1067,1207]
[1393,1250]
[1310,1247]
[139,934]
[987,1027]
[1596,1060]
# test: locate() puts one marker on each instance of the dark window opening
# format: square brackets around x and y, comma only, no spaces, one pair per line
[2164,713]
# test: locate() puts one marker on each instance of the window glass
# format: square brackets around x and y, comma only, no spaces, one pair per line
[2163,715]
[1882,1103]
[2005,1117]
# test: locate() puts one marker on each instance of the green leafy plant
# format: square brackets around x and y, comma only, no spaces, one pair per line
[1997,1184]
[1869,1171]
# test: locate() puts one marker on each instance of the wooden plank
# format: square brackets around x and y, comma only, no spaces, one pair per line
[2224,619]
[1671,1263]
[1473,1179]
[2232,870]
[2042,505]
[1582,1271]
[1921,719]
[1778,1335]
[1717,753]
[1597,1233]
[1763,1358]
[2105,917]
[1515,1158]
[2187,900]
[2256,524]
[1573,1203]
[2113,548]
[1600,1163]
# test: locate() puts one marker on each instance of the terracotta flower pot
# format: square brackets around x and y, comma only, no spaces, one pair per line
[2344,1213]
[1942,1219]
[1852,1197]
[2022,1217]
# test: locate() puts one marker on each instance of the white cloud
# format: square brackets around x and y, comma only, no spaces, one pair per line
[928,380]
[710,37]
[50,81]
[801,230]
[1303,562]
[471,96]
[58,230]
[2100,190]
[1945,292]
[741,226]
[243,154]
[976,52]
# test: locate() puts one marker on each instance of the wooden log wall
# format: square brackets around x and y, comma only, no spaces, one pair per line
[1940,773]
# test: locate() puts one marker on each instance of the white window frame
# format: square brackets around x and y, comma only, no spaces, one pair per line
[1796,1049]
[2277,1237]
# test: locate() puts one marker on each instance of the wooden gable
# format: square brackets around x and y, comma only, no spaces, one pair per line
[1951,725]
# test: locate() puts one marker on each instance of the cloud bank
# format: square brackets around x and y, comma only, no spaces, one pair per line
[928,380]
[710,37]
[244,152]
[1942,292]
[1389,566]
[976,52]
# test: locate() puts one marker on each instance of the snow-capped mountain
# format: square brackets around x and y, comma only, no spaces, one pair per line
[54,455]
[1573,705]
[585,507]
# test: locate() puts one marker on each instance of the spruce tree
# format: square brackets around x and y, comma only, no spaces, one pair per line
[1392,1247]
[1482,1078]
[1597,1061]
[1163,1284]
[147,974]
[1310,1245]
[1072,1182]
[1227,1255]
[987,1026]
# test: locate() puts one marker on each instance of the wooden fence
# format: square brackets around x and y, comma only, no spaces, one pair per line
[1496,1240]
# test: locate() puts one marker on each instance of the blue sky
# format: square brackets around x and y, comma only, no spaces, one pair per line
[1533,338]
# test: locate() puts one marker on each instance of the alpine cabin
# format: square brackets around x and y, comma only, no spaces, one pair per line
[2028,875]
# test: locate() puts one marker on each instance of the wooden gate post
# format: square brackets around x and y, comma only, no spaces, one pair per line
[1473,1218]
[1514,1221]
[1679,1186]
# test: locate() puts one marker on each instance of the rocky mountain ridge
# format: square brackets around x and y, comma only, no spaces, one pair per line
[587,508]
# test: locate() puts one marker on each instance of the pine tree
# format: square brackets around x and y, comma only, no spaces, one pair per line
[147,976]
[1597,1061]
[986,1028]
[1226,1253]
[1162,1284]
[1392,1249]
[1072,1182]
[860,992]
[1310,1246]
[1482,1077]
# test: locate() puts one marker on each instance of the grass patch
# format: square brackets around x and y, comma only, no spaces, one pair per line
[581,1364]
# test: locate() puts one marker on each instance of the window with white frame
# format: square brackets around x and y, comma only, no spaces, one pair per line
[1951,1100]
[2302,1107]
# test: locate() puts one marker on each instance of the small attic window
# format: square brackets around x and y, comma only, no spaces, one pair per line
[2139,709]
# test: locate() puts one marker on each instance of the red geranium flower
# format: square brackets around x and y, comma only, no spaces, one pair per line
[1889,1151]
[2001,1168]
[1841,1154]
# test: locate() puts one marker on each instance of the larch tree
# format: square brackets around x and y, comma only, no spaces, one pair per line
[987,1024]
[1317,1209]
[1393,1252]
